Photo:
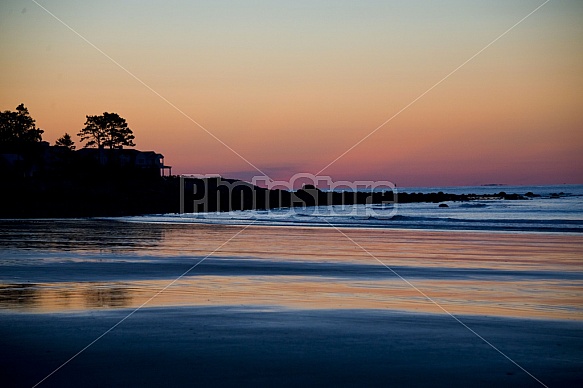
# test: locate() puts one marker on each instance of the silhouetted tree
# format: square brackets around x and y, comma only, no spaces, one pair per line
[108,130]
[18,127]
[94,131]
[66,141]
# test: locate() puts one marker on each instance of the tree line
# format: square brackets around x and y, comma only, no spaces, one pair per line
[109,130]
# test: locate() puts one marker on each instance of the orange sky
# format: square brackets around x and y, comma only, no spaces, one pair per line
[290,86]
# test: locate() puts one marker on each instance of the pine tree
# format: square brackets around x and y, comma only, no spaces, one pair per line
[18,127]
[66,141]
[108,130]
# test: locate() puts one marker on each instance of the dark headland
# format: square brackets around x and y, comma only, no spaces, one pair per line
[54,182]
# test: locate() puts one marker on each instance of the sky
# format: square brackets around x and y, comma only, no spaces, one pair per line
[420,93]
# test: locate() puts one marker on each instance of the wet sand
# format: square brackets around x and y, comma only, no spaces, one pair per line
[212,346]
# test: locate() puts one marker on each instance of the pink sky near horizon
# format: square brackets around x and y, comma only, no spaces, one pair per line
[292,87]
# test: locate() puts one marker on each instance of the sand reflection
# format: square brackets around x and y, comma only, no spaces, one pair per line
[528,300]
[520,275]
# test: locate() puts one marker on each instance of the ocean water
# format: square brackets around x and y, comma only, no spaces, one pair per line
[557,209]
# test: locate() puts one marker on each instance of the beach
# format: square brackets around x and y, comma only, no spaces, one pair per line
[246,305]
[240,346]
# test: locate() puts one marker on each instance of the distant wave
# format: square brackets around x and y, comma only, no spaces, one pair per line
[473,205]
[397,221]
[539,214]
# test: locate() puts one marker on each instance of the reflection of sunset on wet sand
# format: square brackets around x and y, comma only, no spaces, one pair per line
[516,275]
[524,299]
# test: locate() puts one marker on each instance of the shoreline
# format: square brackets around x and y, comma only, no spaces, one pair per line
[125,219]
[444,229]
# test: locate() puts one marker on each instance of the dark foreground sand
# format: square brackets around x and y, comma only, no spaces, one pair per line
[223,346]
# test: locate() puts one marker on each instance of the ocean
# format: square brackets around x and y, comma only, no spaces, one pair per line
[478,293]
[557,209]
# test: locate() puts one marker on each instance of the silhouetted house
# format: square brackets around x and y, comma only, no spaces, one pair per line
[31,159]
[23,159]
[127,158]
